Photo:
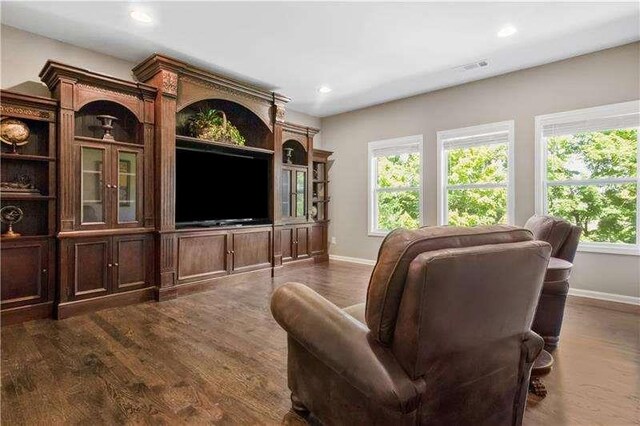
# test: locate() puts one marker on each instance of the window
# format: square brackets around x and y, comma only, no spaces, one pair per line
[587,173]
[395,184]
[475,179]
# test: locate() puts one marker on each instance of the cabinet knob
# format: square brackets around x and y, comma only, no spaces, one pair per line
[109,265]
[115,264]
[233,252]
[44,271]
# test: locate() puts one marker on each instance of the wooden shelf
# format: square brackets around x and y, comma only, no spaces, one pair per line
[320,181]
[223,145]
[24,157]
[321,200]
[25,237]
[103,141]
[26,197]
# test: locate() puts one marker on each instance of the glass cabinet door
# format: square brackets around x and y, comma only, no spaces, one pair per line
[127,186]
[301,192]
[286,193]
[92,186]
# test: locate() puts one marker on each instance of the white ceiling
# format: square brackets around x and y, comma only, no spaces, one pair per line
[367,52]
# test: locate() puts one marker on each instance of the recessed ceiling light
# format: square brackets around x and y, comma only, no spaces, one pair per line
[507,31]
[140,16]
[324,89]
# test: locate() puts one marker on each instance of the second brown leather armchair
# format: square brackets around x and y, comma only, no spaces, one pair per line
[563,238]
[444,337]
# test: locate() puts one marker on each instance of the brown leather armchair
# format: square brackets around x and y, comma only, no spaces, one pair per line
[564,238]
[444,337]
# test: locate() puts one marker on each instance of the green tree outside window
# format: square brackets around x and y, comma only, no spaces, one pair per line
[606,211]
[398,191]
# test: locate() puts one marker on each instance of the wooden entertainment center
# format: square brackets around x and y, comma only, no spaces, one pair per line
[102,231]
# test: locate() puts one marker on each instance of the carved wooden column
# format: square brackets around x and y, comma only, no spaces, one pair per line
[162,76]
[66,130]
[149,181]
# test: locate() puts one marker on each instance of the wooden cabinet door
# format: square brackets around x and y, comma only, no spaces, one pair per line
[251,249]
[287,244]
[286,193]
[132,261]
[126,187]
[303,240]
[89,262]
[300,189]
[24,275]
[93,172]
[318,239]
[203,255]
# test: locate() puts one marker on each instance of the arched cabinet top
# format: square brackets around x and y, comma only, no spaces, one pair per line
[77,87]
[191,91]
[86,102]
[256,132]
[190,84]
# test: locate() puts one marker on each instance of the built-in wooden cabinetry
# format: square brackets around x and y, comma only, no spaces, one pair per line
[106,130]
[300,232]
[215,253]
[28,260]
[101,230]
[320,204]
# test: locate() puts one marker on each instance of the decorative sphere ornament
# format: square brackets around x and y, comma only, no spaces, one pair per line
[11,215]
[14,132]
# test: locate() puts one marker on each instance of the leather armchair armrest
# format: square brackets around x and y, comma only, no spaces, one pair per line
[344,345]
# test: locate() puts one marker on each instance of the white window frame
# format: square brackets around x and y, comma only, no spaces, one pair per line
[372,174]
[450,136]
[541,169]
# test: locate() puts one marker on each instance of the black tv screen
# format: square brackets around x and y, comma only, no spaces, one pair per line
[213,187]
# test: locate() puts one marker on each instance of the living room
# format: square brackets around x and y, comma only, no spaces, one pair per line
[320,213]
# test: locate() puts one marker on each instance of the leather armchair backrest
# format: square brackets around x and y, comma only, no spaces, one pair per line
[401,247]
[462,320]
[562,235]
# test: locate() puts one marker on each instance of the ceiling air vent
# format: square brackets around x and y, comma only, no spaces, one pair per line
[472,66]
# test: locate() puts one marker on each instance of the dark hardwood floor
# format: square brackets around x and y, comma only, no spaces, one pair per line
[219,357]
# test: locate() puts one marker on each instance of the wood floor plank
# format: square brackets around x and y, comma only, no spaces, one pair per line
[219,358]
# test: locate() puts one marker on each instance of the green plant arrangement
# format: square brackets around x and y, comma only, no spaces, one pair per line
[212,124]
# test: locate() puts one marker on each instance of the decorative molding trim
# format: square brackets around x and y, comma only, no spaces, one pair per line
[225,89]
[609,297]
[7,109]
[170,82]
[357,260]
[279,113]
[106,91]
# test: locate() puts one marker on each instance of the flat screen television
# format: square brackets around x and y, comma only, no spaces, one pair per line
[217,188]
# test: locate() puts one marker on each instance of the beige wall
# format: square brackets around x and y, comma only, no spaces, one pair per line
[23,54]
[600,78]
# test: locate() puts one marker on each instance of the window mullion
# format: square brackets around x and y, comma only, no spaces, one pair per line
[477,186]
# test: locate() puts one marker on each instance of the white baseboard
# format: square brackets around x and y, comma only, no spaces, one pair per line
[609,297]
[357,260]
